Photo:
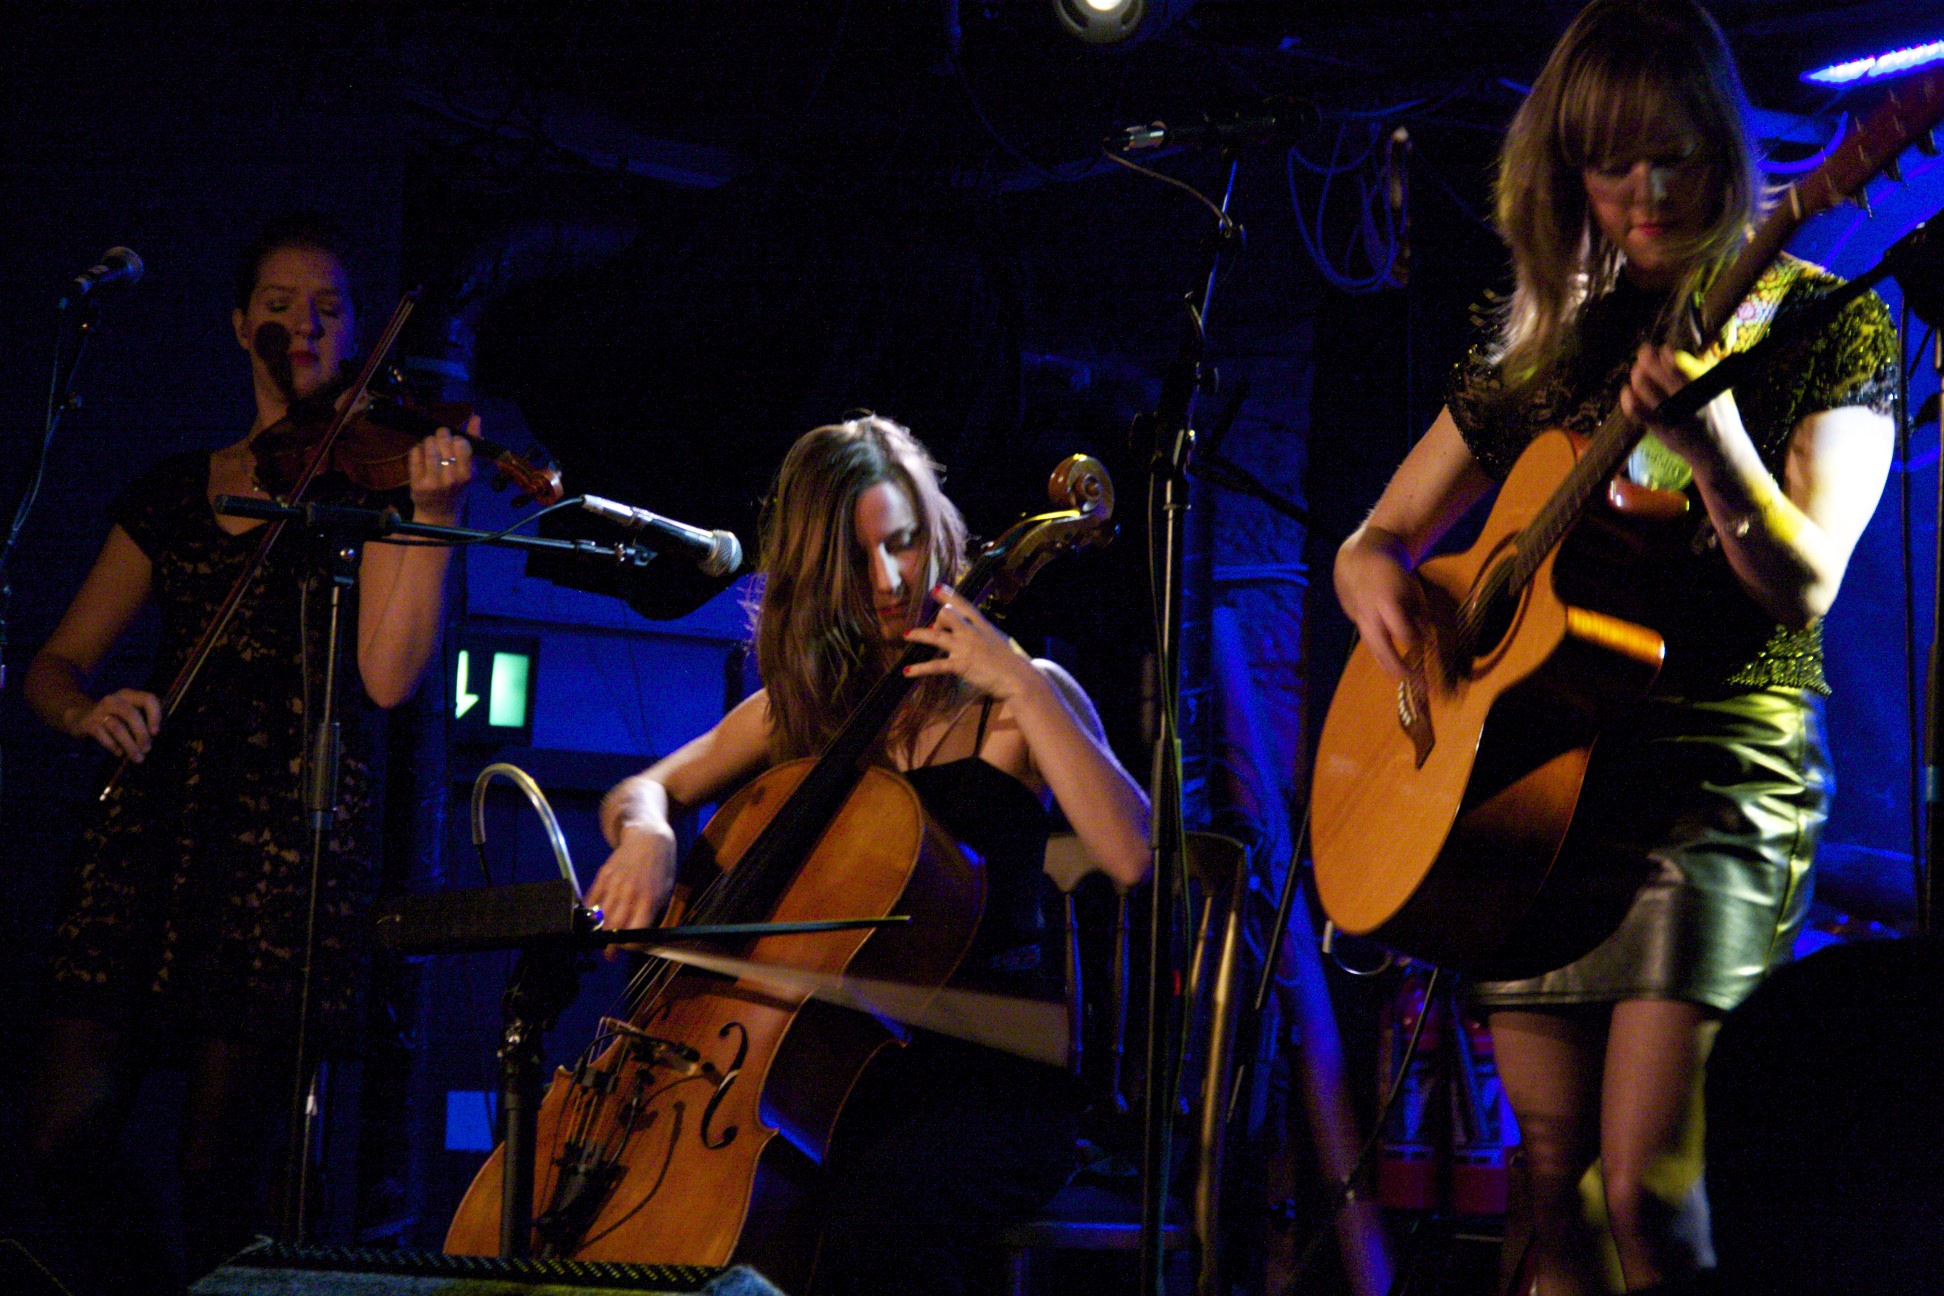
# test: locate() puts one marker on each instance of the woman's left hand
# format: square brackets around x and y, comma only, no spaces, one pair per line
[440,467]
[1658,373]
[972,648]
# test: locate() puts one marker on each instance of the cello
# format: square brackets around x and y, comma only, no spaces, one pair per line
[691,1129]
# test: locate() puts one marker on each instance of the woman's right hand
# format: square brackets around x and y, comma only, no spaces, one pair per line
[1381,596]
[639,874]
[125,722]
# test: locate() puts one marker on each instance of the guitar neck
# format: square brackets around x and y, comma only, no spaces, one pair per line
[1618,434]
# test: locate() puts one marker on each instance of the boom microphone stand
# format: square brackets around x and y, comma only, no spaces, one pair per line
[1169,429]
[61,397]
[345,530]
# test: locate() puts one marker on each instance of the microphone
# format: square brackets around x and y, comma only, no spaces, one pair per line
[271,342]
[1397,193]
[1279,120]
[119,267]
[717,553]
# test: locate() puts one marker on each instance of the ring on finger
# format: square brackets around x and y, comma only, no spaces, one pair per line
[445,462]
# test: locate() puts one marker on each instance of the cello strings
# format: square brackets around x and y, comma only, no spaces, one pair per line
[737,891]
[734,892]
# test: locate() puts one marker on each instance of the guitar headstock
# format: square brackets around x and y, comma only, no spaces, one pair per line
[1908,114]
[1906,117]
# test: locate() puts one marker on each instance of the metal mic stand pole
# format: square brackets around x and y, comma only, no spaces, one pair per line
[323,749]
[525,1022]
[544,982]
[1917,262]
[61,397]
[1173,441]
[1926,878]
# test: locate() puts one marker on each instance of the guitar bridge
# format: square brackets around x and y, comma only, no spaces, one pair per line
[1414,712]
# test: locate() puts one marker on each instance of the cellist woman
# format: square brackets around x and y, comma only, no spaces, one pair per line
[943,1142]
[184,936]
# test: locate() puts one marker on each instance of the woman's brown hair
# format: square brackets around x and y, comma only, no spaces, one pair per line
[1622,66]
[819,645]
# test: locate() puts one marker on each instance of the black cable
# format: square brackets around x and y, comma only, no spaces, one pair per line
[1914,709]
[408,542]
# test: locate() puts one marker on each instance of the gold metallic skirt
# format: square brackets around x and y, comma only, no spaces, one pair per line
[1696,829]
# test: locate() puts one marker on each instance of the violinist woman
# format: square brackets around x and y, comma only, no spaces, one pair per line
[1626,183]
[944,1143]
[184,936]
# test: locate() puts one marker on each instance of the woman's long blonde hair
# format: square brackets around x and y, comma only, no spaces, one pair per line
[818,642]
[1620,66]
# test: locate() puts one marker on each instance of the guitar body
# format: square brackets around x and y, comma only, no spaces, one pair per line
[1437,819]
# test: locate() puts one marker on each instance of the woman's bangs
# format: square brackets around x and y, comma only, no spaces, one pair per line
[1610,115]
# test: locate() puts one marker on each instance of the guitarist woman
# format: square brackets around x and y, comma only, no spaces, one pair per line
[1625,182]
[944,1142]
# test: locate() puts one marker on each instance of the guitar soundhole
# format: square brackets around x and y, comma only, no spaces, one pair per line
[1495,605]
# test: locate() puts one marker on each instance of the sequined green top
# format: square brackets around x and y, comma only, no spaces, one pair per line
[1717,638]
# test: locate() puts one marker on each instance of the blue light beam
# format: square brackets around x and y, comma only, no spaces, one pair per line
[1878,66]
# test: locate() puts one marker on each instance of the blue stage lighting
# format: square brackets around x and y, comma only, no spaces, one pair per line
[1878,66]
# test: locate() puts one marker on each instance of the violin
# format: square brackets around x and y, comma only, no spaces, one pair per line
[372,447]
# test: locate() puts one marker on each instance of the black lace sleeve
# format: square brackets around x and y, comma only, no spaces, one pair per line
[1475,395]
[1853,362]
[152,504]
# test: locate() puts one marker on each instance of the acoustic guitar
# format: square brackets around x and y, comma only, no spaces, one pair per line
[1439,803]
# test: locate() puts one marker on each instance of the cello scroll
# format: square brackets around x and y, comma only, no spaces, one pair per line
[1008,564]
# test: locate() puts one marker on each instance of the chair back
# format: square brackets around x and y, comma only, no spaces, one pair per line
[1068,864]
[1217,870]
[1219,867]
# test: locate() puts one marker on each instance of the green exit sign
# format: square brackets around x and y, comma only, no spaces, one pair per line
[493,682]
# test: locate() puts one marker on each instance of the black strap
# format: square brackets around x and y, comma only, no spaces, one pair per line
[985,714]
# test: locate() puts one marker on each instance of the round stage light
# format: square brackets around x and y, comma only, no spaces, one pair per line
[1101,21]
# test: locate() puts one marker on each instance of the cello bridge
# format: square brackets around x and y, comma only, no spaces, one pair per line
[654,1051]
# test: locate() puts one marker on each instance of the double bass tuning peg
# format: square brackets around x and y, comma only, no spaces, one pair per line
[1927,143]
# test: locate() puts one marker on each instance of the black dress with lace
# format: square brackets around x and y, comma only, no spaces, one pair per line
[190,903]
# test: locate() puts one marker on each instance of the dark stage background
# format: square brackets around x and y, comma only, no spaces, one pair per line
[662,239]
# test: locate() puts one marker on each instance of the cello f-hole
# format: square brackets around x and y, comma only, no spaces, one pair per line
[728,1136]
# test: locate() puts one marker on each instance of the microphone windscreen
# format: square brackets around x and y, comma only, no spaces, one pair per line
[127,261]
[271,342]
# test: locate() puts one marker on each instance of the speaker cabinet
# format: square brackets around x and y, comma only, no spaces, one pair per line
[273,1269]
